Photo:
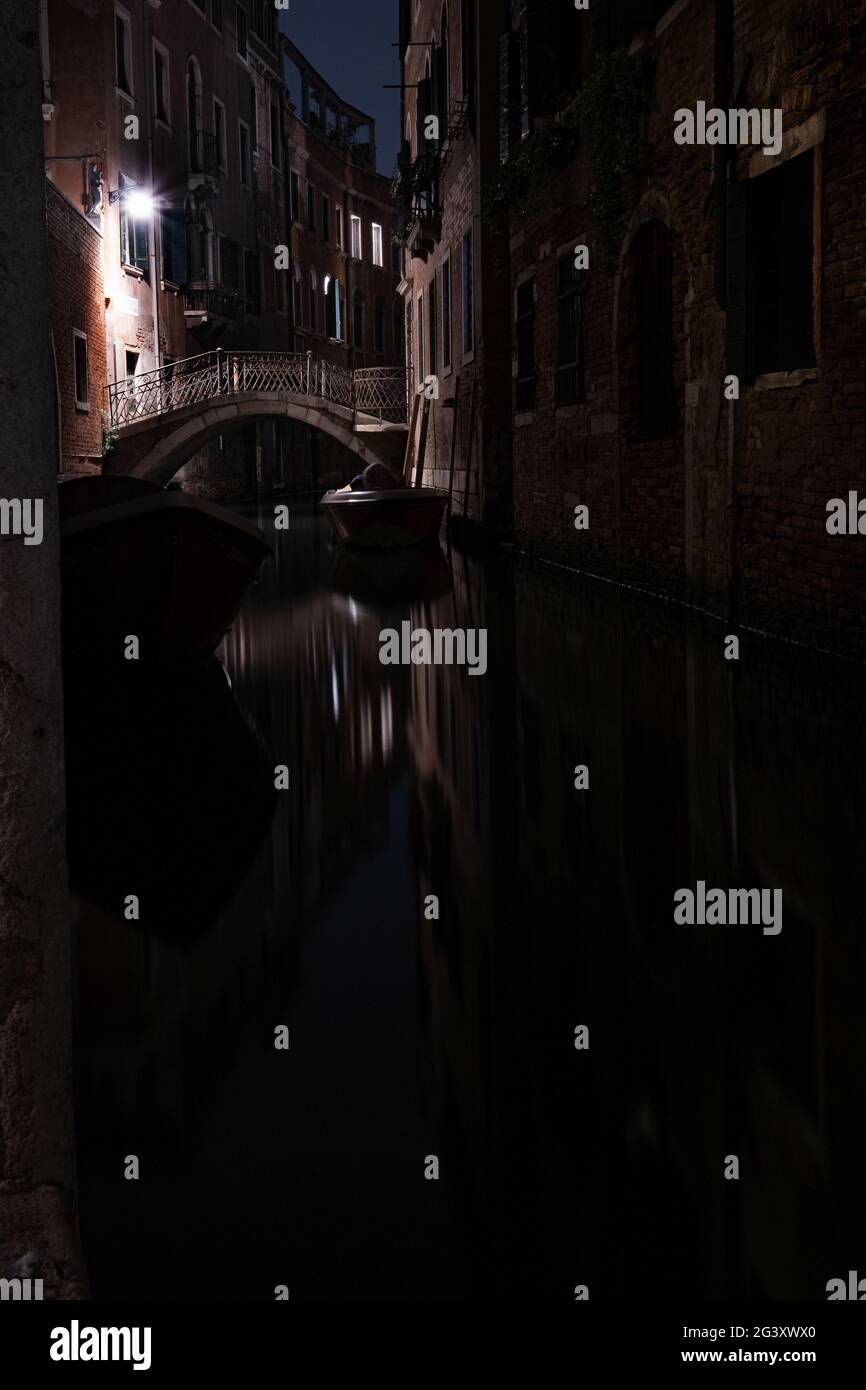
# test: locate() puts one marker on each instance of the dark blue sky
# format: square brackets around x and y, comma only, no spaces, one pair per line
[349,43]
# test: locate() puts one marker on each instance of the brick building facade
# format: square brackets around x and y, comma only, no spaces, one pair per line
[77,329]
[720,261]
[456,287]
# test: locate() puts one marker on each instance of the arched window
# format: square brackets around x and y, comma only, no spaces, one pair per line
[379,324]
[399,343]
[358,319]
[193,115]
[652,376]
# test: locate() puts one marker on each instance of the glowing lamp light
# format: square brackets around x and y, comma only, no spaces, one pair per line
[139,204]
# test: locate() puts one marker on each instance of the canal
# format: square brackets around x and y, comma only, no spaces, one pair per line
[581,1067]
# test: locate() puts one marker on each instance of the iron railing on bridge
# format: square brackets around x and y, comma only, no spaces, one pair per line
[372,391]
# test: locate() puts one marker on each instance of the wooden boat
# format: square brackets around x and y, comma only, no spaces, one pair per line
[386,518]
[139,560]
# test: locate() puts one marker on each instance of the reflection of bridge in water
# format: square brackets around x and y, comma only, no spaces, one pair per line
[164,417]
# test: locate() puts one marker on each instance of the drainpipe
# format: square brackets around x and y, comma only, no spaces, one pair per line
[47,93]
[155,230]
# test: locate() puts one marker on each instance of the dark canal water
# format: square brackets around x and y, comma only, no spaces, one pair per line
[455,1037]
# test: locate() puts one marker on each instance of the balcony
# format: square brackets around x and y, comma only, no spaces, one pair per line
[415,188]
[212,308]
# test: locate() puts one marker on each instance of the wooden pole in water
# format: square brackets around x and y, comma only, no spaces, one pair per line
[410,439]
[455,423]
[470,445]
[422,446]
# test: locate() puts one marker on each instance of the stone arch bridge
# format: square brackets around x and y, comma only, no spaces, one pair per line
[162,418]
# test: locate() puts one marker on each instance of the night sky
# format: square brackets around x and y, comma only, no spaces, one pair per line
[350,44]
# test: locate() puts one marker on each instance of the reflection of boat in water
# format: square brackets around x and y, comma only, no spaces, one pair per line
[169,794]
[395,576]
[386,518]
[141,560]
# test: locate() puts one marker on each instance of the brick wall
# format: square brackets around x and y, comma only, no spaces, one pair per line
[729,511]
[76,295]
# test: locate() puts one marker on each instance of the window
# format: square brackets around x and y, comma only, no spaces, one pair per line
[295,196]
[311,207]
[431,322]
[339,229]
[313,318]
[241,18]
[397,329]
[780,273]
[379,324]
[275,135]
[377,244]
[326,218]
[652,378]
[161,84]
[332,307]
[229,263]
[569,346]
[219,130]
[420,337]
[358,319]
[244,151]
[356,237]
[525,398]
[123,51]
[216,13]
[467,51]
[468,296]
[174,263]
[79,347]
[131,360]
[134,248]
[446,313]
[253,282]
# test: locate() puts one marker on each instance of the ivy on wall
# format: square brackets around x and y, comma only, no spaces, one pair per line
[610,106]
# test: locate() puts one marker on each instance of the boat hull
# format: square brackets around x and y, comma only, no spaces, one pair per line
[388,518]
[170,569]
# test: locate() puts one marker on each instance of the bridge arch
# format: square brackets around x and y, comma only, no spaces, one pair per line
[156,448]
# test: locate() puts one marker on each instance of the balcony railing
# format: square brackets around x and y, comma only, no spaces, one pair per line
[219,301]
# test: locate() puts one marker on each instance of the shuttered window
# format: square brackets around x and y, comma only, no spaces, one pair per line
[569,347]
[525,399]
[174,265]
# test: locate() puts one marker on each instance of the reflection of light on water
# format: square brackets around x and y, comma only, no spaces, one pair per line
[386,717]
[366,732]
[335,690]
[353,610]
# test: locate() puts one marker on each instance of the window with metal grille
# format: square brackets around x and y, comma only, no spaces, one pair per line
[653,379]
[432,323]
[468,295]
[446,312]
[780,282]
[569,348]
[526,346]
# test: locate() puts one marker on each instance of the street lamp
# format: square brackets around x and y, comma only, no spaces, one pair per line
[140,204]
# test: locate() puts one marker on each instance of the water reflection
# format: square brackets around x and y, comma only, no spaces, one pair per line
[454,1036]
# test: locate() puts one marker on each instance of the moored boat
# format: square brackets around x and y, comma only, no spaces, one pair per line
[386,518]
[139,560]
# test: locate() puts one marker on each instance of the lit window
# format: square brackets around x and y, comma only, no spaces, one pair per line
[377,244]
[356,237]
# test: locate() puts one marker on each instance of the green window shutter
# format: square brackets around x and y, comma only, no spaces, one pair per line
[140,247]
